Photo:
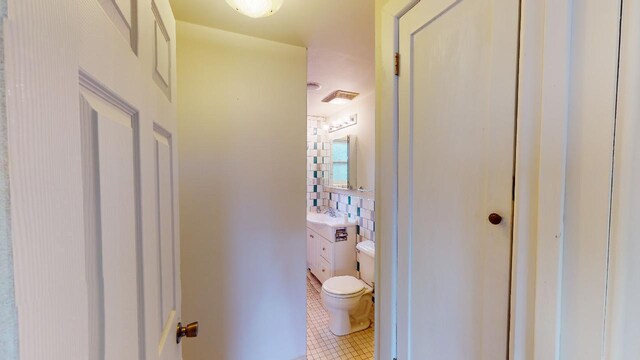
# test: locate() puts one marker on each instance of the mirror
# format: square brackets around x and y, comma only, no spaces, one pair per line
[343,162]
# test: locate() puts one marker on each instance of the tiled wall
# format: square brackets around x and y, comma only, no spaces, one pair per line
[360,208]
[318,162]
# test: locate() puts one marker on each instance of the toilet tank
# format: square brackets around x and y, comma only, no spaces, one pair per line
[366,258]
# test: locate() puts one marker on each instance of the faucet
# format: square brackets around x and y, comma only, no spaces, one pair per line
[331,211]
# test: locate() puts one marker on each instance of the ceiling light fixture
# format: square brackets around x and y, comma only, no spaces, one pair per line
[340,97]
[256,8]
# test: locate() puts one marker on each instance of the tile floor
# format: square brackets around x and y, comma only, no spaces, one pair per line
[321,343]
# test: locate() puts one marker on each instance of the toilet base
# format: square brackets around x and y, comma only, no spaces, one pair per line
[341,322]
[339,330]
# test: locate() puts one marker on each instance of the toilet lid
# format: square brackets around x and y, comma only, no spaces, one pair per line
[343,285]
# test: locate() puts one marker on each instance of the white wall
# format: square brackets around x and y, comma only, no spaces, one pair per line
[365,132]
[242,136]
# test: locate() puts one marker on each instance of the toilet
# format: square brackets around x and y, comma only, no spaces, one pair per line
[347,299]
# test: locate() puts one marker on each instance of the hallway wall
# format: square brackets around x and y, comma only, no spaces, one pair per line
[242,111]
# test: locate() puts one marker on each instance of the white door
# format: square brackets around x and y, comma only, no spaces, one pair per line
[457,89]
[91,128]
[623,286]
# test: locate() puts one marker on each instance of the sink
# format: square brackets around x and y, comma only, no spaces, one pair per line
[325,219]
[331,246]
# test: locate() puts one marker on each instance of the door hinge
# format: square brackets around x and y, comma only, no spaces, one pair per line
[397,64]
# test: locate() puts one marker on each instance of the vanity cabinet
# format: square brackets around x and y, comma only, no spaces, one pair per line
[331,251]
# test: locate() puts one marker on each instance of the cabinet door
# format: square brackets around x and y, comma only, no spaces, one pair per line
[310,250]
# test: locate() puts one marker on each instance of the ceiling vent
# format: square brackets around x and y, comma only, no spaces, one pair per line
[313,86]
[340,97]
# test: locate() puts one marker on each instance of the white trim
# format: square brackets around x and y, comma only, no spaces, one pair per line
[387,182]
[552,175]
[540,179]
[623,290]
[526,182]
[8,308]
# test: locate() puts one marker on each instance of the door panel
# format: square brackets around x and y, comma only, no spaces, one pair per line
[123,15]
[167,347]
[119,232]
[92,167]
[456,145]
[110,168]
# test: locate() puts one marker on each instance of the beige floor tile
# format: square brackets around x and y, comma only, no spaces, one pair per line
[321,343]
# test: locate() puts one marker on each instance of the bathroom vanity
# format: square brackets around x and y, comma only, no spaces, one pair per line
[331,246]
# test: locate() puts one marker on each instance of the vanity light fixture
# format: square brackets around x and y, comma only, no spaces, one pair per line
[340,97]
[343,123]
[256,8]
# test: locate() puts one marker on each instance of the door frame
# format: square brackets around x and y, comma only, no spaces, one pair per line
[8,310]
[540,154]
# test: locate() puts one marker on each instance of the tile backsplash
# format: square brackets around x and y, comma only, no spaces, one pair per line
[360,208]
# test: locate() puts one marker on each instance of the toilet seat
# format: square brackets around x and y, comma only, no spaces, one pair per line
[344,286]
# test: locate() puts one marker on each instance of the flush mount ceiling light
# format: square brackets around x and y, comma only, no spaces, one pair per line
[256,8]
[340,97]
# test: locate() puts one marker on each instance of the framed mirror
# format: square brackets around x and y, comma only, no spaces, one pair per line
[343,162]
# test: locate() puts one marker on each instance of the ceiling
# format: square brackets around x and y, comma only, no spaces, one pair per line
[339,36]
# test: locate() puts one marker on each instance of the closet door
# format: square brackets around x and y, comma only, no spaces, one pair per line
[456,145]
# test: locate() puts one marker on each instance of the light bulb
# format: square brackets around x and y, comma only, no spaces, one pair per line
[256,8]
[338,101]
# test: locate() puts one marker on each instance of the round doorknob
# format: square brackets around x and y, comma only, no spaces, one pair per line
[190,330]
[495,219]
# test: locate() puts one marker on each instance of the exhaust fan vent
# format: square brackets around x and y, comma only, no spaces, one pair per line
[340,97]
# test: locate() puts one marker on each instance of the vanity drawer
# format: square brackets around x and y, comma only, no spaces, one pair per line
[313,236]
[324,272]
[326,250]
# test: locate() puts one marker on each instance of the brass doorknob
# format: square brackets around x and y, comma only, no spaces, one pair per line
[495,219]
[190,330]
